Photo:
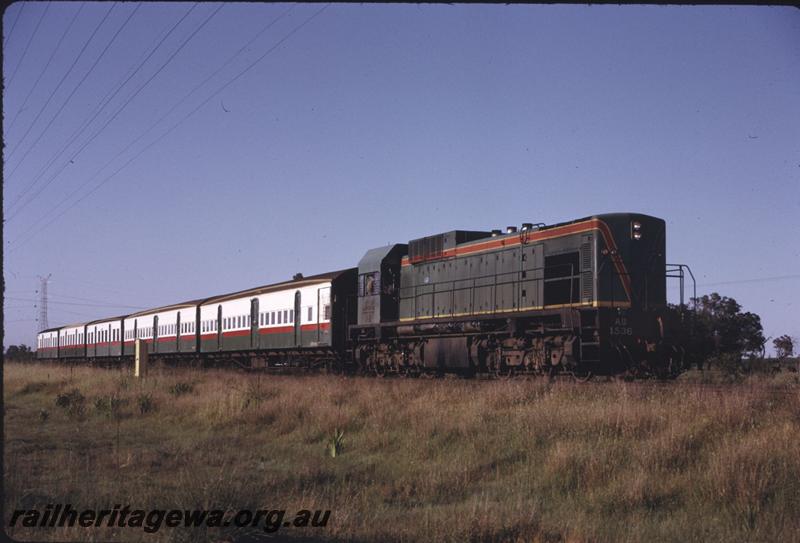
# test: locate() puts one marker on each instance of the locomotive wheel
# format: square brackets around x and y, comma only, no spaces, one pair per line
[582,376]
[504,372]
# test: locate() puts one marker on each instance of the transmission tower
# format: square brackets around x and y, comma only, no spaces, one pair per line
[43,302]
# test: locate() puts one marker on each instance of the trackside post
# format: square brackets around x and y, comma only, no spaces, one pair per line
[140,360]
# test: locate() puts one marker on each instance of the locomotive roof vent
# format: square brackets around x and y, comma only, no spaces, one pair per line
[527,226]
[496,233]
[435,247]
[511,229]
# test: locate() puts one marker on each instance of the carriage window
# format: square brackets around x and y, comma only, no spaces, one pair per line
[285,315]
[326,311]
[562,279]
[310,318]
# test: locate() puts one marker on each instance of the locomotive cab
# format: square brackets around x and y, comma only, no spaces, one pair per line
[378,284]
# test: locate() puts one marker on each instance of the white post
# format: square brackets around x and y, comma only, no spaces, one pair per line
[140,359]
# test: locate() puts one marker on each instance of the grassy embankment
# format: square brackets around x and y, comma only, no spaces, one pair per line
[421,460]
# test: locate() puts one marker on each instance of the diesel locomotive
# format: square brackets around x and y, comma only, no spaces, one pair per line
[581,298]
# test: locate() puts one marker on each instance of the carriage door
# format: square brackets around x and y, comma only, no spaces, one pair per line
[219,327]
[155,334]
[323,312]
[178,333]
[254,323]
[298,340]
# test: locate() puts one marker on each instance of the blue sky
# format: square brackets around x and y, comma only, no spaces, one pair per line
[372,124]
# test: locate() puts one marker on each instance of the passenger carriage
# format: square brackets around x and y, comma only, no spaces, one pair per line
[166,330]
[71,341]
[297,314]
[104,338]
[47,344]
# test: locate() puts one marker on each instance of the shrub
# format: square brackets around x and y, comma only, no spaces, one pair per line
[72,402]
[729,363]
[108,405]
[146,403]
[179,389]
[252,395]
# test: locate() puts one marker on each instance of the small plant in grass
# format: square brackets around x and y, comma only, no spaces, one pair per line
[146,403]
[72,402]
[44,414]
[30,388]
[252,395]
[334,447]
[108,405]
[179,389]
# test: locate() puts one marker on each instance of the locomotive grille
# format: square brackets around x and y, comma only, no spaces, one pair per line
[586,254]
[587,279]
[427,248]
[587,287]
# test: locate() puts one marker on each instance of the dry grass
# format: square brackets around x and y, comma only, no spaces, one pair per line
[435,460]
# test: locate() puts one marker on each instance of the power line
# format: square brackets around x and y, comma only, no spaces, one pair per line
[750,280]
[63,105]
[89,316]
[27,45]
[157,122]
[75,88]
[52,55]
[14,24]
[61,82]
[103,103]
[76,303]
[116,114]
[84,299]
[173,127]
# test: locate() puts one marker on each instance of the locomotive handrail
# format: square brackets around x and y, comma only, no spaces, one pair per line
[678,273]
[516,278]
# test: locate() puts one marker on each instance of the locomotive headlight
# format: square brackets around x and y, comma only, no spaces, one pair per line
[636,230]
